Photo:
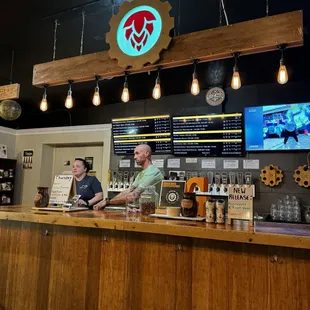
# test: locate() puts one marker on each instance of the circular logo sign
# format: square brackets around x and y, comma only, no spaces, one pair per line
[172,196]
[215,96]
[139,30]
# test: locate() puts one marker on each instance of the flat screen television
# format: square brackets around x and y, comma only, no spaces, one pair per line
[214,135]
[278,127]
[153,130]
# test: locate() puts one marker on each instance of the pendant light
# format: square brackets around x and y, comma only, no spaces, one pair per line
[157,90]
[43,104]
[282,74]
[69,101]
[125,93]
[96,97]
[236,81]
[195,89]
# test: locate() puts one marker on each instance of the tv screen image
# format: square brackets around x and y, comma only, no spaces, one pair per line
[278,127]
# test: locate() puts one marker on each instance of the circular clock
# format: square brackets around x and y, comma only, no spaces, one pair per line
[215,96]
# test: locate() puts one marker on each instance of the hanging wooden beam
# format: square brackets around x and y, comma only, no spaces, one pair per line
[250,37]
[10,91]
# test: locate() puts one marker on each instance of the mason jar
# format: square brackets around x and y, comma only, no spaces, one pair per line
[148,200]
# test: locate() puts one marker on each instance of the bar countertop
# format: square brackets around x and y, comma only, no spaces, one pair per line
[265,233]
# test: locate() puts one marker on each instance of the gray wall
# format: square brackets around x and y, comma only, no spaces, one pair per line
[187,104]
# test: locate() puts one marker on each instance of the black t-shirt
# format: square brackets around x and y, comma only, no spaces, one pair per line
[88,187]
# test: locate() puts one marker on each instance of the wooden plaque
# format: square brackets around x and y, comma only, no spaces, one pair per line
[271,175]
[302,176]
[9,91]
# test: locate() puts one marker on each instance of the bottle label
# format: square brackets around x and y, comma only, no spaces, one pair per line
[187,203]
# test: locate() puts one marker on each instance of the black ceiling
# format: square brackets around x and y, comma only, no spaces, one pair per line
[28,26]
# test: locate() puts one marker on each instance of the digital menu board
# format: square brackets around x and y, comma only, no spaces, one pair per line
[153,130]
[208,135]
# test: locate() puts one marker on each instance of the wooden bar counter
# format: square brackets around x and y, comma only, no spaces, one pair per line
[105,260]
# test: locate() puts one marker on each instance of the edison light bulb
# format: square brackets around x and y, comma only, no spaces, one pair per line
[157,90]
[125,94]
[195,89]
[43,105]
[96,98]
[235,81]
[282,74]
[69,101]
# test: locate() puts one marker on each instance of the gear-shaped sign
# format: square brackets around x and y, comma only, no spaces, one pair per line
[139,32]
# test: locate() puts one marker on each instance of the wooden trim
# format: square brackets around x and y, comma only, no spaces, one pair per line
[219,43]
[238,232]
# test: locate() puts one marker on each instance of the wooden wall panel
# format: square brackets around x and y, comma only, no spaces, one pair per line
[113,277]
[289,281]
[210,289]
[45,262]
[21,259]
[68,273]
[183,277]
[151,269]
[83,268]
[4,259]
[247,277]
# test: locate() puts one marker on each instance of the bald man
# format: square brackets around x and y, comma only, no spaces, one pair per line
[149,175]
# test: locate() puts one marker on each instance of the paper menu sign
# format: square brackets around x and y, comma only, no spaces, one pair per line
[61,189]
[191,160]
[124,163]
[231,164]
[173,163]
[159,163]
[251,164]
[240,202]
[208,164]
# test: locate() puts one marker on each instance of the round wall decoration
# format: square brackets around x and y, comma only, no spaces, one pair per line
[302,176]
[271,175]
[139,32]
[215,96]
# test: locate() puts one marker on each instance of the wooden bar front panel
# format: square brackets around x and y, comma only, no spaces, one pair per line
[58,267]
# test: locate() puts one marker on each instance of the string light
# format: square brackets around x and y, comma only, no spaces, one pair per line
[125,93]
[96,97]
[195,89]
[69,101]
[282,74]
[157,89]
[236,81]
[43,104]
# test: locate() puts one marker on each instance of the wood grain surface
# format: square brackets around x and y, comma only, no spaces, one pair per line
[285,235]
[59,267]
[247,37]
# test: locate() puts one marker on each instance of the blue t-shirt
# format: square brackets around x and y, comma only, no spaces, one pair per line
[88,187]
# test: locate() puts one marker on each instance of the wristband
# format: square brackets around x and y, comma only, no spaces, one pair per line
[107,201]
[87,203]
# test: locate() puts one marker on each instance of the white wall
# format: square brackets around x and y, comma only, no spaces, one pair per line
[8,137]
